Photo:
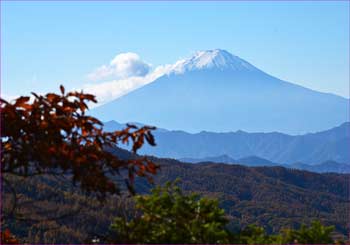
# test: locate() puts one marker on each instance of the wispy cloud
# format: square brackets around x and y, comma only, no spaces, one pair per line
[129,73]
[123,65]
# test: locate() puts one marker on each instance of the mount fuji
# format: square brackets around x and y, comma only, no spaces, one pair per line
[216,91]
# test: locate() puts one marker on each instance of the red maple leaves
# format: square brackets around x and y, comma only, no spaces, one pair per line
[52,134]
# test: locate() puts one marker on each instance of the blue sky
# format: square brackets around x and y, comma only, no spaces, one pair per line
[44,44]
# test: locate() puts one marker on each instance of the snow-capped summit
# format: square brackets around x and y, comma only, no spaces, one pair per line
[212,59]
[219,92]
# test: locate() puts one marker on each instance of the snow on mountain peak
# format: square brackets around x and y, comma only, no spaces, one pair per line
[212,59]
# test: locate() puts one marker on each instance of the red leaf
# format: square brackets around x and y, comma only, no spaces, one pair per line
[21,100]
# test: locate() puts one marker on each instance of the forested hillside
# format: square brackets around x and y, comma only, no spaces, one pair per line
[272,197]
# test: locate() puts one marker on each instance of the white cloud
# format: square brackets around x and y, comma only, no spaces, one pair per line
[107,91]
[123,65]
[132,73]
[125,73]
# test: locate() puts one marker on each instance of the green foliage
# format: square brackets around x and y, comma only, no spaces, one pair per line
[272,197]
[315,234]
[168,215]
[254,234]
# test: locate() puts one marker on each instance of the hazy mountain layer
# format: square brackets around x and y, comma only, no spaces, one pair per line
[315,148]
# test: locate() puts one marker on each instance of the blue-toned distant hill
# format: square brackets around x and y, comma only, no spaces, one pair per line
[217,159]
[219,92]
[311,149]
[325,167]
[252,161]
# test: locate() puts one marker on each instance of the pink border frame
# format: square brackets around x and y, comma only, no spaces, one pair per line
[168,1]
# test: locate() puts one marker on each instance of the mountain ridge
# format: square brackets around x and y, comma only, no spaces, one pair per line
[316,148]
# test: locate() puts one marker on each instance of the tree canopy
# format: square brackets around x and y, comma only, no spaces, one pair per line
[52,134]
[168,215]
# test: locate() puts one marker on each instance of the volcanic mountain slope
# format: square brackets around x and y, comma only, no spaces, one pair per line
[219,92]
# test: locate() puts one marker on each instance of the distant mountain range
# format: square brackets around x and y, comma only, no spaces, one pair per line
[253,161]
[216,91]
[325,167]
[253,149]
